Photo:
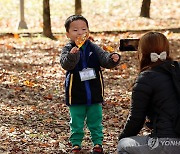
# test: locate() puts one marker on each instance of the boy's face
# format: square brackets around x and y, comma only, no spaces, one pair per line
[77,28]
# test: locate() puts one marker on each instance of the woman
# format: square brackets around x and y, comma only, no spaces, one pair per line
[154,99]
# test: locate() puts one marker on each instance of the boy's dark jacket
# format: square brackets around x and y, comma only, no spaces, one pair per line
[90,56]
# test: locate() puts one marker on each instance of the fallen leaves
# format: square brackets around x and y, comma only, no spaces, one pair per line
[34,117]
[28,83]
[16,36]
[11,130]
[108,48]
[123,66]
[49,96]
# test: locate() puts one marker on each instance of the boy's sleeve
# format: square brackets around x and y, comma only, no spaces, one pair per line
[105,58]
[68,60]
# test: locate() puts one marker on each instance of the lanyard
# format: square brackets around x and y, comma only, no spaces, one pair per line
[83,55]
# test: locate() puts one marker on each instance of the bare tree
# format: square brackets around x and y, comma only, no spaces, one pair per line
[22,23]
[78,8]
[145,8]
[47,20]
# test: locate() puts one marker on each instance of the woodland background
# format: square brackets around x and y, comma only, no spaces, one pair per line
[33,115]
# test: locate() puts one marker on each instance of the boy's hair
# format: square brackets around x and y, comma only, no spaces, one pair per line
[72,18]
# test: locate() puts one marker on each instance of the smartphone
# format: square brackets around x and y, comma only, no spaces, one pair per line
[129,44]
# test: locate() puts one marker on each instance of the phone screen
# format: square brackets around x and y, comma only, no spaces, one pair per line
[129,44]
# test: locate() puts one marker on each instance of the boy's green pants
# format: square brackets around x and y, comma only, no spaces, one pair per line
[92,114]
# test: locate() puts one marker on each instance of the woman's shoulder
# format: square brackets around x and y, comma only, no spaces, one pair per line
[150,77]
[148,73]
[157,74]
[158,69]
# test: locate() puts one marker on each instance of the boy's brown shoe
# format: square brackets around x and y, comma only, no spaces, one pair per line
[98,149]
[75,150]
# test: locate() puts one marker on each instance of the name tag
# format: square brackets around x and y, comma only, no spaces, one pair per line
[87,74]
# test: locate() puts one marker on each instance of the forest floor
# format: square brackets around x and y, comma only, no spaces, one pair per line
[33,114]
[34,118]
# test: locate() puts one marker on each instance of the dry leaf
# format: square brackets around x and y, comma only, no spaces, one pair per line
[123,66]
[16,36]
[80,40]
[108,48]
[28,83]
[9,46]
[11,130]
[48,120]
[49,96]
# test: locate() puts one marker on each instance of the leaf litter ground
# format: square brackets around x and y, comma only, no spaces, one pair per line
[34,118]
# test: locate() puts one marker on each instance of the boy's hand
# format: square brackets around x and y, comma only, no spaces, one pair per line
[74,50]
[115,57]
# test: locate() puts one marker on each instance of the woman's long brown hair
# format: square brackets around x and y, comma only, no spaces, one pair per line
[152,42]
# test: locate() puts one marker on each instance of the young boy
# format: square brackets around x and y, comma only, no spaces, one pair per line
[84,82]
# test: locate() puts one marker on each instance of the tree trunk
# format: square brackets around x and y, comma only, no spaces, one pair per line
[78,8]
[145,8]
[22,23]
[47,20]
